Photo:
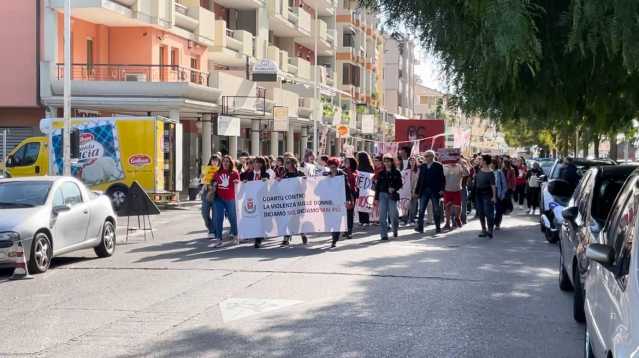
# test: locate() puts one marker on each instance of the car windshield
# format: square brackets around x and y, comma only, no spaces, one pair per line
[23,193]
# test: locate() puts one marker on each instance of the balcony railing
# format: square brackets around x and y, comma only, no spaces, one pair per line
[134,73]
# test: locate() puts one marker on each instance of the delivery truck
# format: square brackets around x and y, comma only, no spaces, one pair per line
[110,154]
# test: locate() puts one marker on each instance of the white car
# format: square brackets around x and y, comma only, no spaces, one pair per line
[611,302]
[52,216]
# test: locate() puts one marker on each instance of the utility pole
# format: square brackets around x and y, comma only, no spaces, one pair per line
[66,135]
[315,84]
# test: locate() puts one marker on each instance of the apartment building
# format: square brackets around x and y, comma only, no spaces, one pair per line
[399,75]
[359,67]
[429,103]
[20,110]
[193,60]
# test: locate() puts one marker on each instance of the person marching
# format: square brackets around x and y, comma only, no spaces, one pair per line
[258,172]
[501,188]
[290,165]
[387,186]
[333,171]
[534,189]
[208,194]
[224,182]
[365,165]
[350,169]
[454,174]
[485,196]
[430,187]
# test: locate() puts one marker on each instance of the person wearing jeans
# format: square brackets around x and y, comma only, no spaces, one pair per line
[430,187]
[225,180]
[485,197]
[208,194]
[389,181]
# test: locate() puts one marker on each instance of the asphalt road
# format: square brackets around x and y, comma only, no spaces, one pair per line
[453,295]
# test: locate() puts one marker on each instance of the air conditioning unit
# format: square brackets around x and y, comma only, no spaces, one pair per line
[136,77]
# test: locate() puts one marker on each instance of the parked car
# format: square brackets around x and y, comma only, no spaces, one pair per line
[556,192]
[52,216]
[612,287]
[583,219]
[546,165]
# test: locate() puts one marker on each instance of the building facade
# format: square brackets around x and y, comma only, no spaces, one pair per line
[399,75]
[193,60]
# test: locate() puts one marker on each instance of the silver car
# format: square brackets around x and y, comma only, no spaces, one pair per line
[52,216]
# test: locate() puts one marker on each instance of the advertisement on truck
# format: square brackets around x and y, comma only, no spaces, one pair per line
[113,153]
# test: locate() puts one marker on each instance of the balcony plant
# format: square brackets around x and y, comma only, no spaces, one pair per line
[328,110]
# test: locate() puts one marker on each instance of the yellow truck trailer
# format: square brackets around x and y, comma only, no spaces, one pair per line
[113,152]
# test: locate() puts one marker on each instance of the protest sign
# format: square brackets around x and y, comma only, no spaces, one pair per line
[364,183]
[449,155]
[291,206]
[405,193]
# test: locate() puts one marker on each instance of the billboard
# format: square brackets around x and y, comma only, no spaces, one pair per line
[430,130]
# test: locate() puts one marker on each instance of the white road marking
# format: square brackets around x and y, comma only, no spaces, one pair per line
[237,308]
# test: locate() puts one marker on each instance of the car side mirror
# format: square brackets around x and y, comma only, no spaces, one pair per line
[600,253]
[570,213]
[60,209]
[543,177]
[10,161]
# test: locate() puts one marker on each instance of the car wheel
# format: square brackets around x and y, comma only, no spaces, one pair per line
[118,195]
[106,247]
[578,299]
[551,236]
[588,353]
[41,252]
[564,281]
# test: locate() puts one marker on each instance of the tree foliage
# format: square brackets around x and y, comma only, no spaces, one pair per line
[557,65]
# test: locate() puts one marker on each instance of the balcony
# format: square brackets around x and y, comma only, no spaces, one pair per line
[241,93]
[231,46]
[288,22]
[305,105]
[241,4]
[134,73]
[324,7]
[303,67]
[324,47]
[184,18]
[136,87]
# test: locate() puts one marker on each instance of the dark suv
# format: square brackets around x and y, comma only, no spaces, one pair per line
[584,218]
[556,192]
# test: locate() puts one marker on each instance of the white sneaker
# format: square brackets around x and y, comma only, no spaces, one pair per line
[219,243]
[210,236]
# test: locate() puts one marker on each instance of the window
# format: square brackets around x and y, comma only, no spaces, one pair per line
[423,99]
[346,74]
[348,40]
[175,57]
[90,55]
[625,238]
[58,198]
[71,193]
[26,155]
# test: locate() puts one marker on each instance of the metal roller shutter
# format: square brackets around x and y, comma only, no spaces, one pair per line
[15,135]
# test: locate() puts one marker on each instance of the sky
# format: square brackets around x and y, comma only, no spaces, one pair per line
[428,70]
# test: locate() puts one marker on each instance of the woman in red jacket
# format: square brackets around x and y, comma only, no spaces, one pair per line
[522,172]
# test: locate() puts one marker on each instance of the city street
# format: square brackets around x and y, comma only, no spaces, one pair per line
[453,295]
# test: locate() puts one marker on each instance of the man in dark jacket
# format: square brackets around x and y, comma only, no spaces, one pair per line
[568,172]
[430,186]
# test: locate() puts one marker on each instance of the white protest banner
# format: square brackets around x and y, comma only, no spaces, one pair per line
[291,206]
[280,119]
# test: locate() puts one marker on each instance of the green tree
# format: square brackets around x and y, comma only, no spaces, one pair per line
[558,65]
